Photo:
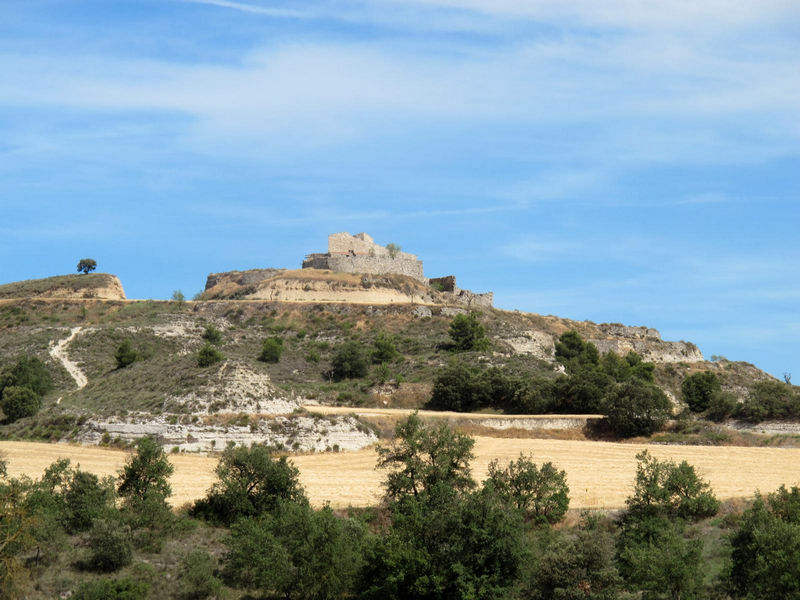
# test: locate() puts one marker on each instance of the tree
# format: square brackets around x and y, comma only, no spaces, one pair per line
[574,353]
[670,489]
[16,537]
[27,371]
[393,249]
[85,265]
[698,390]
[636,407]
[250,482]
[459,388]
[19,402]
[125,355]
[765,557]
[144,481]
[109,545]
[271,350]
[383,349]
[467,333]
[421,456]
[208,355]
[177,296]
[197,580]
[541,494]
[295,552]
[350,361]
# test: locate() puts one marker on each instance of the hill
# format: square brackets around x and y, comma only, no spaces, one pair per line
[241,399]
[93,285]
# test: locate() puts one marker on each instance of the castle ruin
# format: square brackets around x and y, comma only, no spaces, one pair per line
[360,254]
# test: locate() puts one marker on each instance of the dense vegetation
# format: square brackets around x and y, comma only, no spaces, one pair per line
[439,533]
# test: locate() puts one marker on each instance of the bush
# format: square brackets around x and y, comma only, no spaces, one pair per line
[144,484]
[250,482]
[350,361]
[112,589]
[125,355]
[383,349]
[467,333]
[698,390]
[197,580]
[209,355]
[271,350]
[27,371]
[19,402]
[86,499]
[542,494]
[459,388]
[770,400]
[109,545]
[722,406]
[637,408]
[212,335]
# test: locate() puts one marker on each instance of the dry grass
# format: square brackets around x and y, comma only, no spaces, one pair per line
[600,474]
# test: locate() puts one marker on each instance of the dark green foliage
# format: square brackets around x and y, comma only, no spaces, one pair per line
[295,552]
[109,545]
[19,402]
[459,388]
[576,567]
[17,529]
[582,392]
[770,400]
[85,265]
[197,579]
[467,333]
[124,588]
[722,406]
[574,353]
[541,494]
[670,489]
[383,349]
[86,499]
[27,371]
[125,355]
[251,483]
[421,456]
[446,544]
[655,557]
[637,408]
[212,335]
[765,557]
[699,388]
[208,355]
[271,350]
[144,483]
[350,361]
[626,367]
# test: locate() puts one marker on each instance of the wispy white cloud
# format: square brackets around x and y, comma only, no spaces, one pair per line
[256,9]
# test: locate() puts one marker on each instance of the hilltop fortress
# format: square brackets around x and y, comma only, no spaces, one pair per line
[354,269]
[360,254]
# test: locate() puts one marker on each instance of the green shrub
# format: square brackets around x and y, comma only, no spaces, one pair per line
[209,355]
[350,361]
[698,390]
[271,350]
[573,352]
[112,589]
[86,499]
[212,335]
[125,355]
[542,494]
[27,371]
[197,580]
[19,402]
[383,349]
[109,545]
[722,406]
[637,408]
[467,333]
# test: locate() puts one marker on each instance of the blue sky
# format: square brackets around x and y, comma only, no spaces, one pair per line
[622,161]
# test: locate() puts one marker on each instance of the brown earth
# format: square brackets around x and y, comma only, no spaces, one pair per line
[600,474]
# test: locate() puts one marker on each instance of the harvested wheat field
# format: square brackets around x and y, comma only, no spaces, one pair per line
[599,474]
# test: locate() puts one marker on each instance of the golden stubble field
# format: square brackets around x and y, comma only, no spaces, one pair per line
[600,474]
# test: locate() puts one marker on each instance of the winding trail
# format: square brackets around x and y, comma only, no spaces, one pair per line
[59,352]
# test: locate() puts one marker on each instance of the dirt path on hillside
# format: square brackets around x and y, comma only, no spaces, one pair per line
[599,474]
[59,352]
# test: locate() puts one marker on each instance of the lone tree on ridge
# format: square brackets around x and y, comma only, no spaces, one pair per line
[85,265]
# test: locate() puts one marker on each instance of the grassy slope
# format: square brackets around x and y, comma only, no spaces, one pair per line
[36,287]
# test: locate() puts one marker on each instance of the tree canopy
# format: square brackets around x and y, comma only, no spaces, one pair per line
[86,265]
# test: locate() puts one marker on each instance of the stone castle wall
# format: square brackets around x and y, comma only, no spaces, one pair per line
[373,265]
